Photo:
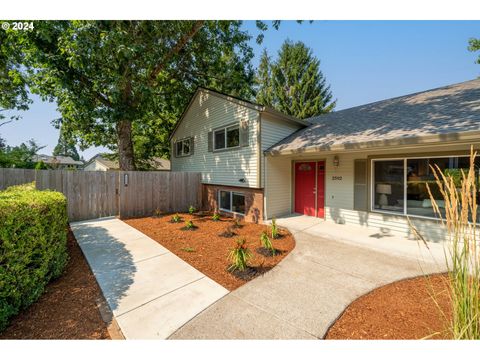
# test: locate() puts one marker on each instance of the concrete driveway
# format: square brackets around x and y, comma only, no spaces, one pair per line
[302,296]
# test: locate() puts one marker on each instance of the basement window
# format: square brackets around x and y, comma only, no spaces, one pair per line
[231,201]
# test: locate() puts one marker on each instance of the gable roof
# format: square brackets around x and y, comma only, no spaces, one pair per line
[58,160]
[442,112]
[157,163]
[242,102]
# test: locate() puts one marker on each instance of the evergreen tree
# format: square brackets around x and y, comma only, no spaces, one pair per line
[65,147]
[294,84]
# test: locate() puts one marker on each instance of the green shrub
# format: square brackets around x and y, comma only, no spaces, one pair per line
[192,210]
[266,243]
[189,225]
[239,256]
[274,229]
[175,219]
[33,246]
[216,216]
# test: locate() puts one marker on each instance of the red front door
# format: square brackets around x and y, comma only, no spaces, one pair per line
[321,189]
[305,188]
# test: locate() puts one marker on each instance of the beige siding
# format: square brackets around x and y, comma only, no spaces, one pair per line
[339,193]
[95,166]
[273,130]
[224,167]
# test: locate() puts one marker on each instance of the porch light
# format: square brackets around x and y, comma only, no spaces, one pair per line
[336,161]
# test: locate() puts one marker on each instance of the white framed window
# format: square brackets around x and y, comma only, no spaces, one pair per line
[226,138]
[231,201]
[399,186]
[183,147]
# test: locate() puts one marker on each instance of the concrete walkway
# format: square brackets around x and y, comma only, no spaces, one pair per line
[302,296]
[150,291]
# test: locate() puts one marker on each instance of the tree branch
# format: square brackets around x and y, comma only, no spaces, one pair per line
[5,122]
[175,50]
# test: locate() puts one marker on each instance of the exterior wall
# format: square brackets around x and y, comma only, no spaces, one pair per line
[253,201]
[209,112]
[273,130]
[339,193]
[95,166]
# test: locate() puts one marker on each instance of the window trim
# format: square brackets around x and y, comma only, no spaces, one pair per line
[189,138]
[225,130]
[231,201]
[405,185]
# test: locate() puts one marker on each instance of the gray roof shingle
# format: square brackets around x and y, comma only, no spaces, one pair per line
[447,110]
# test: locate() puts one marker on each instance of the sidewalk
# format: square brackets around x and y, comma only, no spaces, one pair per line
[150,291]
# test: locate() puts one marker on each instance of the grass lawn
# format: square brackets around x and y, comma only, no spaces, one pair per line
[206,247]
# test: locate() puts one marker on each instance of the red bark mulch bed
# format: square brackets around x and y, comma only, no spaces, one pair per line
[68,308]
[207,251]
[401,310]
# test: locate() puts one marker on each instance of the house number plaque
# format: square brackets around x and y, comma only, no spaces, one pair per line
[336,178]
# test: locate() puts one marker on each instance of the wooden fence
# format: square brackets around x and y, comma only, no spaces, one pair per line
[95,194]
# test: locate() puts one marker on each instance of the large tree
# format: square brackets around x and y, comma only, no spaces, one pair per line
[19,156]
[65,146]
[123,84]
[293,83]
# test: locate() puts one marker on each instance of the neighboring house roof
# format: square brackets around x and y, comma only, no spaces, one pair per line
[246,103]
[440,114]
[57,160]
[157,163]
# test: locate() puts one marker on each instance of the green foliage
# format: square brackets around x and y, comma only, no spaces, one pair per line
[33,233]
[474,45]
[294,84]
[188,249]
[65,146]
[175,219]
[41,165]
[216,216]
[266,243]
[123,84]
[274,229]
[192,210]
[239,256]
[19,156]
[189,225]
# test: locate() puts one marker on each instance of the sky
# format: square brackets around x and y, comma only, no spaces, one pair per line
[363,61]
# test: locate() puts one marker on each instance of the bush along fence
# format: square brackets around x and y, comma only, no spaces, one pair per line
[33,245]
[95,194]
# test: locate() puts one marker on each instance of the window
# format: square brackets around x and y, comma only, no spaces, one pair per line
[400,186]
[232,201]
[226,138]
[183,147]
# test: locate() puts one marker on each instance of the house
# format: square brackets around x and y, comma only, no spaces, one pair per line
[224,138]
[58,162]
[368,165]
[100,162]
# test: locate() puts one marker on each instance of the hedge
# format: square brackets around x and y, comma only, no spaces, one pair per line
[33,245]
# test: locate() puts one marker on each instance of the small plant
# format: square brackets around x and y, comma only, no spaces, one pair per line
[228,233]
[274,229]
[157,213]
[239,256]
[237,224]
[175,219]
[189,225]
[266,243]
[216,216]
[188,249]
[192,209]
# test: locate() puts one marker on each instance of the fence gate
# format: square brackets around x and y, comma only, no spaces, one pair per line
[90,194]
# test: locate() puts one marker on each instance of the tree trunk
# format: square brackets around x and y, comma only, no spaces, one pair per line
[126,156]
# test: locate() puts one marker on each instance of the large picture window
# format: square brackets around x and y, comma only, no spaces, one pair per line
[226,138]
[400,185]
[231,201]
